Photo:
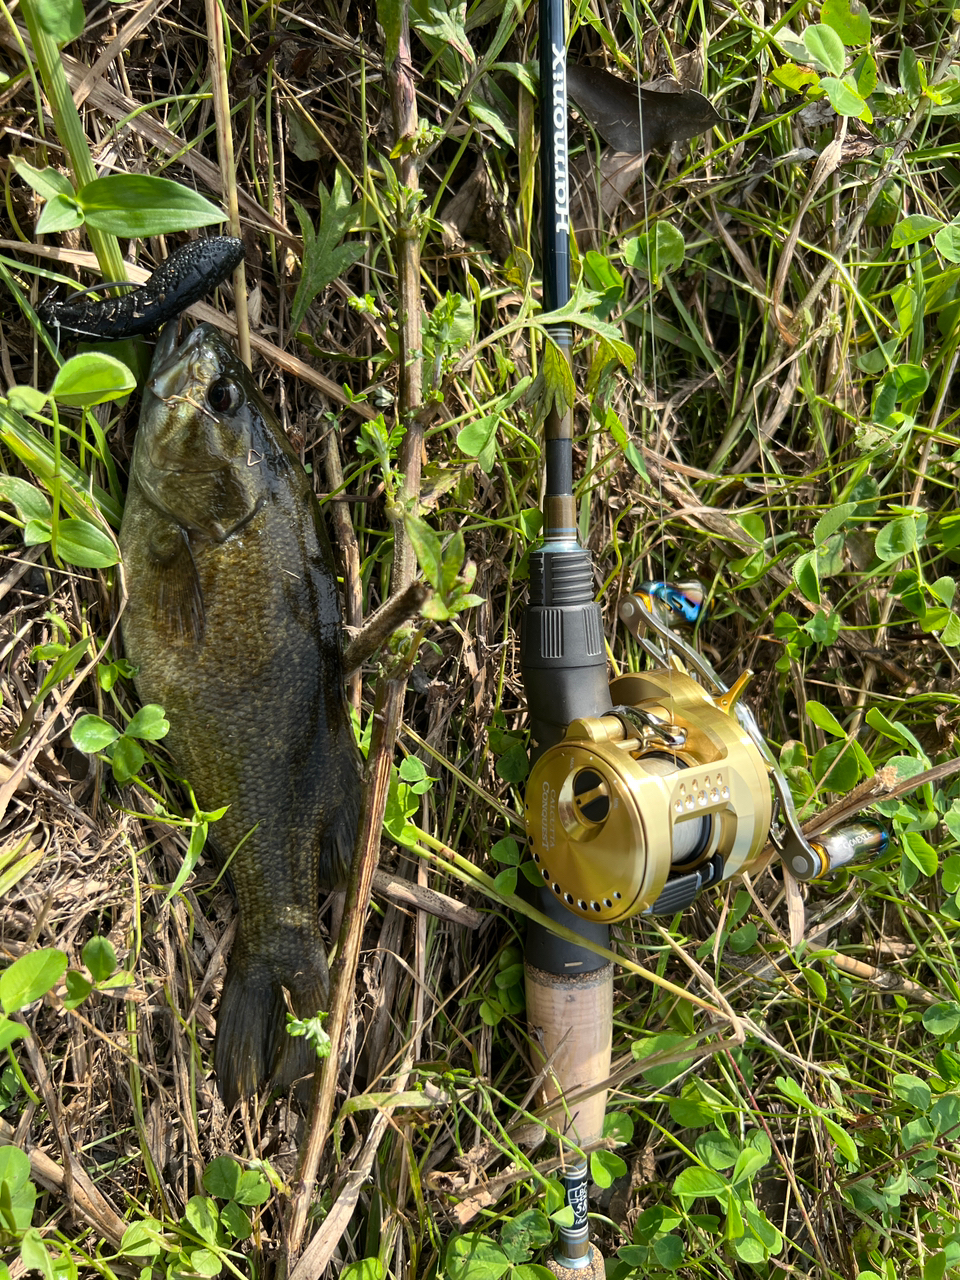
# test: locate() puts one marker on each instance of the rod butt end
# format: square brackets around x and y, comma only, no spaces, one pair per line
[589,1267]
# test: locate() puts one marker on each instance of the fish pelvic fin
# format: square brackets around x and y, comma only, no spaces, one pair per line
[254,1050]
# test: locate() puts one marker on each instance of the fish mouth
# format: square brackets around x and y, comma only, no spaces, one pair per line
[174,366]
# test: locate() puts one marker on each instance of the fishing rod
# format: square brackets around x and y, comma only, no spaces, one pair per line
[642,791]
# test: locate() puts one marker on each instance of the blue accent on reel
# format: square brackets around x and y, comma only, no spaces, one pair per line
[687,600]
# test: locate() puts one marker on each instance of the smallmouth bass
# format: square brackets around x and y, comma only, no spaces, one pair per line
[234,623]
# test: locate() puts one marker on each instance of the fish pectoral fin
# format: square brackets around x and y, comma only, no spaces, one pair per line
[178,599]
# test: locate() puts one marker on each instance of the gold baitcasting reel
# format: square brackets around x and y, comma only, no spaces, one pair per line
[674,789]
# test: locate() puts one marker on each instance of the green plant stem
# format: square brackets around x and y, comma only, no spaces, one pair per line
[69,127]
[403,98]
[228,168]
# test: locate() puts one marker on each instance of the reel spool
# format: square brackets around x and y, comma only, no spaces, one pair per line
[674,789]
[640,809]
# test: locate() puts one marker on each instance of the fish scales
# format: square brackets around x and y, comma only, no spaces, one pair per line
[234,624]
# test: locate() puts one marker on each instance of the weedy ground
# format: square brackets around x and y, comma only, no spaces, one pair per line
[787,434]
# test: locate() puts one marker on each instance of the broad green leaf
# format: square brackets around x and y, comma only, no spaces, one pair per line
[10,1032]
[913,76]
[897,539]
[61,19]
[845,1143]
[865,74]
[524,1233]
[919,852]
[790,1089]
[845,99]
[911,381]
[669,1250]
[149,723]
[823,627]
[669,1044]
[916,227]
[913,1090]
[832,521]
[127,759]
[366,1268]
[78,988]
[100,958]
[254,1188]
[47,182]
[815,982]
[603,276]
[29,502]
[143,1239]
[201,1213]
[742,939]
[793,78]
[60,213]
[14,1167]
[131,204]
[749,1161]
[806,576]
[947,241]
[478,440]
[235,1222]
[849,19]
[91,734]
[942,1019]
[429,551]
[82,544]
[506,851]
[613,423]
[505,882]
[475,1257]
[944,589]
[619,1126]
[656,251]
[825,49]
[34,1254]
[606,1167]
[717,1150]
[896,732]
[27,400]
[92,378]
[824,719]
[514,765]
[837,766]
[695,1182]
[31,977]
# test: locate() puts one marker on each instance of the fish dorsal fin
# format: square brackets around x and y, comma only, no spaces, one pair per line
[178,600]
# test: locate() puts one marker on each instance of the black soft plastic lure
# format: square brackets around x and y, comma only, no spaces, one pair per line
[180,281]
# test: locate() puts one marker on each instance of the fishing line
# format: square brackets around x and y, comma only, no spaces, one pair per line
[654,381]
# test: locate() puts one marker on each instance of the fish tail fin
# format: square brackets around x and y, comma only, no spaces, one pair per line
[253,1048]
[250,1009]
[295,1056]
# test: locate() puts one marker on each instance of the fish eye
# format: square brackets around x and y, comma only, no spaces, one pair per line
[224,395]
